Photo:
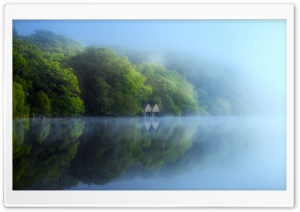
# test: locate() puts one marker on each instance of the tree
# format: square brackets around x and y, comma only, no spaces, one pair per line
[173,94]
[42,104]
[55,47]
[20,108]
[50,88]
[109,83]
[210,80]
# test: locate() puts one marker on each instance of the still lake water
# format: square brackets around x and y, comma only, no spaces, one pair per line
[159,153]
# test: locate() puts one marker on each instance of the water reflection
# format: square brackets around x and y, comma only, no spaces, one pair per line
[151,123]
[76,152]
[50,145]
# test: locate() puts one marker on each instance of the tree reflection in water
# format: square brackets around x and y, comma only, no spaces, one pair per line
[61,152]
[52,145]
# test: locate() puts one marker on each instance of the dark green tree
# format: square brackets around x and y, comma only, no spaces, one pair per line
[42,104]
[109,83]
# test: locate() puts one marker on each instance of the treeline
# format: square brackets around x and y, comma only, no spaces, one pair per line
[56,76]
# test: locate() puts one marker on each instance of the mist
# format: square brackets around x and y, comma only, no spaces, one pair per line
[251,52]
[149,105]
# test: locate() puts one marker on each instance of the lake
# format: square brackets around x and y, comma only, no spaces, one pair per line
[149,153]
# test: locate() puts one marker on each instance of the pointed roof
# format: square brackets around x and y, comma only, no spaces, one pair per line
[155,109]
[148,108]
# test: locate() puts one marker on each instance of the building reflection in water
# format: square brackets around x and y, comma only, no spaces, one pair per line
[151,123]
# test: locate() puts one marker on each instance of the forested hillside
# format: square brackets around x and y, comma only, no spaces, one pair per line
[218,90]
[56,76]
[41,85]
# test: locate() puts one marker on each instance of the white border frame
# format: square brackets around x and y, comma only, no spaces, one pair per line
[148,198]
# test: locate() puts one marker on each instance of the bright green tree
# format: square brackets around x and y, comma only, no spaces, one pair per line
[50,88]
[20,108]
[173,94]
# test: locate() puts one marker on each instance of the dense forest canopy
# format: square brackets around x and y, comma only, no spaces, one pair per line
[110,85]
[57,76]
[44,86]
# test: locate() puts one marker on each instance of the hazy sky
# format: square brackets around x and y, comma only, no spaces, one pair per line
[255,48]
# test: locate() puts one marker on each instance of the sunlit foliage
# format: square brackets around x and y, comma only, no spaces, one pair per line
[48,88]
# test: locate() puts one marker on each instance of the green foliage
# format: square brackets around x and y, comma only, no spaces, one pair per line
[55,47]
[53,145]
[173,94]
[210,81]
[116,146]
[19,63]
[20,150]
[99,82]
[42,104]
[26,84]
[50,89]
[57,153]
[219,92]
[56,76]
[109,83]
[20,108]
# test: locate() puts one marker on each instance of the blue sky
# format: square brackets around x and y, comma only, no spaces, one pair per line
[254,48]
[231,41]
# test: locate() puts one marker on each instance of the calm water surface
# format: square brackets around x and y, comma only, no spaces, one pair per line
[159,153]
